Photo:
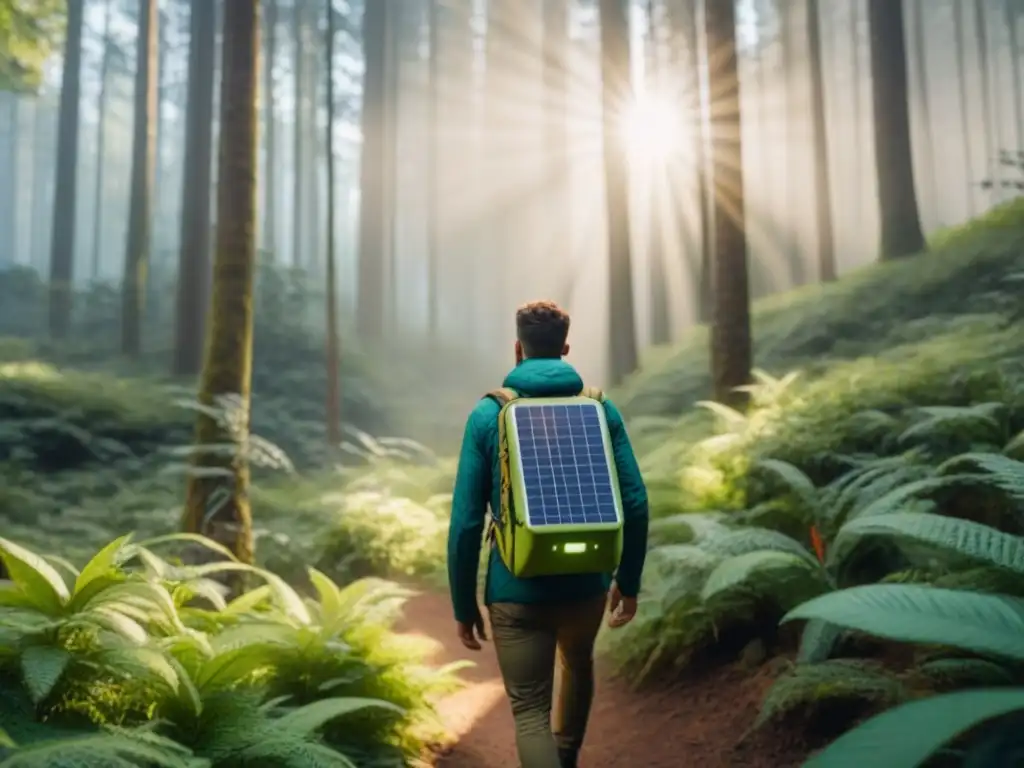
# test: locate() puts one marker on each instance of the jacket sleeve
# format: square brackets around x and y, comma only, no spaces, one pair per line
[634,505]
[469,511]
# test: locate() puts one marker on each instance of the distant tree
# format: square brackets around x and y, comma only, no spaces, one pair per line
[373,185]
[299,202]
[270,143]
[616,93]
[65,199]
[965,104]
[106,62]
[140,201]
[901,233]
[822,179]
[333,395]
[193,290]
[731,347]
[217,500]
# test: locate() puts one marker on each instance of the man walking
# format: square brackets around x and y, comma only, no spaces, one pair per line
[539,620]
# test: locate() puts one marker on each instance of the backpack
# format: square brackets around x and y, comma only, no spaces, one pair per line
[561,510]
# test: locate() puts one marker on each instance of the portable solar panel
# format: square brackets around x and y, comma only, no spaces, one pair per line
[566,510]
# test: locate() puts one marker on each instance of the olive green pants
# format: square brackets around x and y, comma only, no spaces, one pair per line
[545,652]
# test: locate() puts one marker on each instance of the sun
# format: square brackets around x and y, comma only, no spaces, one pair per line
[651,128]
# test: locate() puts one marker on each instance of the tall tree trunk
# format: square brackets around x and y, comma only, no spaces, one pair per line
[62,241]
[437,143]
[616,90]
[822,170]
[660,324]
[193,295]
[333,409]
[136,260]
[731,348]
[901,233]
[217,504]
[856,79]
[270,162]
[1012,20]
[560,245]
[158,203]
[298,138]
[924,98]
[992,169]
[373,203]
[965,104]
[101,143]
[791,138]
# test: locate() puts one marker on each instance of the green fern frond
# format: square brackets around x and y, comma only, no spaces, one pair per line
[981,423]
[956,539]
[792,478]
[41,669]
[808,685]
[783,578]
[1006,474]
[952,674]
[745,540]
[988,579]
[818,640]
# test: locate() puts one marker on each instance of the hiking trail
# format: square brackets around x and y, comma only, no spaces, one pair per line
[696,723]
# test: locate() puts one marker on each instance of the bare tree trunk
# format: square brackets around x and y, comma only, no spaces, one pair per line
[10,192]
[373,205]
[217,504]
[1012,20]
[731,347]
[901,233]
[101,143]
[298,148]
[434,186]
[660,325]
[62,241]
[270,164]
[617,90]
[137,246]
[965,104]
[822,180]
[194,256]
[992,168]
[924,99]
[333,355]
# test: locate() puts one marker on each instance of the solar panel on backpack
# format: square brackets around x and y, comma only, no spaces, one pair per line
[561,508]
[564,464]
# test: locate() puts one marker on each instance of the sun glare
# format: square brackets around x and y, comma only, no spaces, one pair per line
[651,128]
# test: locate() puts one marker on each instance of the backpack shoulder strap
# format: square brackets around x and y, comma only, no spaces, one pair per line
[503,396]
[593,393]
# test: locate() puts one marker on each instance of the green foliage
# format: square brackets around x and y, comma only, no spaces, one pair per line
[136,661]
[29,32]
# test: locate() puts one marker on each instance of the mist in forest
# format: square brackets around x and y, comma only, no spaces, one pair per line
[486,138]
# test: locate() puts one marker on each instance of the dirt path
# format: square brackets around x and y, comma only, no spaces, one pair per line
[696,724]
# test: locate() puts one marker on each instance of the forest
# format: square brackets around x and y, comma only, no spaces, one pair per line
[260,258]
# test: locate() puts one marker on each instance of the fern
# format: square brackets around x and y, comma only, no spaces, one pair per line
[1006,474]
[808,685]
[950,674]
[781,578]
[953,538]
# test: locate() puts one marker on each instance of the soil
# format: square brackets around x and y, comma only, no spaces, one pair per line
[699,723]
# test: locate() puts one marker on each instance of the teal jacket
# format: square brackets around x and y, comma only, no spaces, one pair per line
[477,484]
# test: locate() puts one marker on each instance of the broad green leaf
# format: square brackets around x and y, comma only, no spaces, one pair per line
[312,717]
[767,572]
[37,578]
[13,596]
[964,539]
[909,613]
[102,562]
[286,598]
[248,601]
[5,740]
[41,669]
[145,663]
[189,538]
[907,736]
[330,597]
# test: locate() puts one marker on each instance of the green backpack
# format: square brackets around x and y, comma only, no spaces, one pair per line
[561,510]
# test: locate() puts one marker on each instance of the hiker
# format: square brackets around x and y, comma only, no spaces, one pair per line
[533,618]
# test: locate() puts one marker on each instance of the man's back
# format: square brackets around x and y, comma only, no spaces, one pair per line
[533,617]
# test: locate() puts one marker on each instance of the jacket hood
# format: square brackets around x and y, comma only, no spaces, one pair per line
[544,377]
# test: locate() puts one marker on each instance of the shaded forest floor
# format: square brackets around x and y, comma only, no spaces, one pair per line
[699,722]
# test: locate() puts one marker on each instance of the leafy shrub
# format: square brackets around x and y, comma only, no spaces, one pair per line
[138,661]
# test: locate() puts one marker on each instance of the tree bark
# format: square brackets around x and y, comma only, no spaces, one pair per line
[137,248]
[731,348]
[901,233]
[822,168]
[65,199]
[101,143]
[270,162]
[193,294]
[616,90]
[333,354]
[373,204]
[217,500]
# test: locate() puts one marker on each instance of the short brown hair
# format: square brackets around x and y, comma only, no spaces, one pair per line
[542,328]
